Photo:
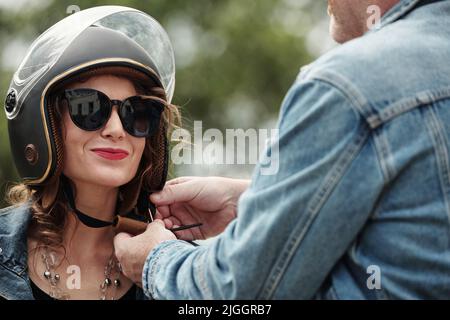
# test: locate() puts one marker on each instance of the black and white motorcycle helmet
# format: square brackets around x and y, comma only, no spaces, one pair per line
[112,38]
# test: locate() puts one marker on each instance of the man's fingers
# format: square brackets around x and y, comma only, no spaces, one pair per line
[184,235]
[178,180]
[175,222]
[156,222]
[119,242]
[174,193]
[168,223]
[158,215]
[121,237]
[164,211]
[157,227]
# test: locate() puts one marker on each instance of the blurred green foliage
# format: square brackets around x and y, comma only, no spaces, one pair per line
[228,52]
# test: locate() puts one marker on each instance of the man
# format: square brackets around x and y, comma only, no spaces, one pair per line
[360,206]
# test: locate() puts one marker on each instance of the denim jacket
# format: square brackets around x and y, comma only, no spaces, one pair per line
[360,206]
[14,280]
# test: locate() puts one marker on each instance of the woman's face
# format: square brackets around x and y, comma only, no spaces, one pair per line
[84,161]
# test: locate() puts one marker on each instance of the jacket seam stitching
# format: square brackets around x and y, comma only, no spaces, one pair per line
[200,270]
[2,293]
[10,209]
[314,206]
[362,108]
[441,152]
[373,117]
[358,101]
[19,274]
[407,104]
[384,154]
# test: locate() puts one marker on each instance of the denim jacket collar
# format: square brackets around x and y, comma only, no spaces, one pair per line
[14,281]
[399,10]
[13,234]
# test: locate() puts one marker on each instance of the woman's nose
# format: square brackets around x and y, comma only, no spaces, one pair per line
[113,128]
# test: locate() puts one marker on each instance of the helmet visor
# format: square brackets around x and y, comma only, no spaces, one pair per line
[136,25]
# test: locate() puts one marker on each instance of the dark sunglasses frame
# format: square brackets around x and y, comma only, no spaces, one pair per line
[140,115]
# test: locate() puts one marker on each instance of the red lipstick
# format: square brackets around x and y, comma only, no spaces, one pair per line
[110,153]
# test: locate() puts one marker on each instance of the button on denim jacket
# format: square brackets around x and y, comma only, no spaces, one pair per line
[14,280]
[360,205]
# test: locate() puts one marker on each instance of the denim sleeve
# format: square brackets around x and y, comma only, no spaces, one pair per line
[293,225]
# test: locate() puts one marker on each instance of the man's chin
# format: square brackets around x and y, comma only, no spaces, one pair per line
[336,33]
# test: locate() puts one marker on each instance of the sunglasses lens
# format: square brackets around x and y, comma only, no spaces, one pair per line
[141,116]
[89,109]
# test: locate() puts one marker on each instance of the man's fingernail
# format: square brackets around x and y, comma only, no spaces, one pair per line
[156,196]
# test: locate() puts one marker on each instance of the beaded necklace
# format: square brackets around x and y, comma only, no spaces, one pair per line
[112,268]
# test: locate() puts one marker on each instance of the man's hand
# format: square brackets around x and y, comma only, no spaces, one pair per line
[132,251]
[211,201]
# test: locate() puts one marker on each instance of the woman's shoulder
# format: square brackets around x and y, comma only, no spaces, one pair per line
[14,217]
[14,222]
[13,208]
[22,208]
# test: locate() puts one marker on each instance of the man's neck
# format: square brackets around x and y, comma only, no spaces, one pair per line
[386,5]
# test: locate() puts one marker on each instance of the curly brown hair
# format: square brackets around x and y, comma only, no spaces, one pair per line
[48,203]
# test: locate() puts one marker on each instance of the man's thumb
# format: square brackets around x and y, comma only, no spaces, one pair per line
[156,221]
[174,193]
[119,240]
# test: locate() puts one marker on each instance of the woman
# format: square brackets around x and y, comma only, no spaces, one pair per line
[88,111]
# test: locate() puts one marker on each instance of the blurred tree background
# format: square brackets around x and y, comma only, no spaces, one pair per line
[235,58]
